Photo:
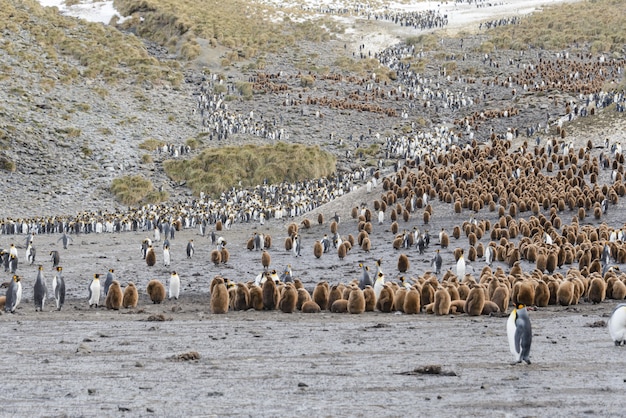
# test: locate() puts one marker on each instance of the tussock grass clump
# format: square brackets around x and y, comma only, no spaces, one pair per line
[217,169]
[151,144]
[131,190]
[599,24]
[248,28]
[7,164]
[53,40]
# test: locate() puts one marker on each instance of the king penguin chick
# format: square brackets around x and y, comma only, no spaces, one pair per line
[58,288]
[617,324]
[94,291]
[520,334]
[174,289]
[40,292]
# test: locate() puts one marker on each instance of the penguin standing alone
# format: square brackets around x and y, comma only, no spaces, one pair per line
[166,256]
[174,289]
[520,334]
[58,288]
[190,249]
[54,257]
[617,324]
[40,291]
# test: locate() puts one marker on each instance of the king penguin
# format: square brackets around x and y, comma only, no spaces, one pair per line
[365,280]
[107,282]
[460,267]
[58,288]
[14,294]
[520,334]
[617,324]
[40,292]
[190,249]
[174,289]
[437,262]
[296,245]
[55,258]
[94,291]
[166,256]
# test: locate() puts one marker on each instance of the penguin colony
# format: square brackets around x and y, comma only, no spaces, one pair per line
[550,262]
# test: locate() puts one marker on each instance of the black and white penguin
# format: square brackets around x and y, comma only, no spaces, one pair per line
[12,263]
[437,262]
[297,247]
[520,334]
[617,324]
[55,258]
[94,291]
[107,282]
[30,253]
[174,288]
[167,259]
[365,279]
[190,249]
[13,295]
[287,275]
[65,239]
[58,288]
[40,292]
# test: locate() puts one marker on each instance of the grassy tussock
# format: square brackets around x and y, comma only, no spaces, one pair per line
[241,25]
[217,169]
[51,40]
[151,144]
[132,190]
[600,24]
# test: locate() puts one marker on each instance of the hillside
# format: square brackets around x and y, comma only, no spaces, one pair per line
[83,99]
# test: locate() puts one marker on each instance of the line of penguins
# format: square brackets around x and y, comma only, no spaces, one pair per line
[110,290]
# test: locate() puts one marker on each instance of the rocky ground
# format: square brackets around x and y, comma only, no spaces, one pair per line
[177,358]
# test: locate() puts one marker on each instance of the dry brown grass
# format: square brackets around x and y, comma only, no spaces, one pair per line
[598,24]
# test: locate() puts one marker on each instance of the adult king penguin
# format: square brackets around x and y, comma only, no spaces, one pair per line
[520,334]
[94,291]
[107,282]
[617,324]
[14,294]
[174,288]
[58,288]
[40,292]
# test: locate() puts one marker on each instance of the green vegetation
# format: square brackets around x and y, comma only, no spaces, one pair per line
[601,24]
[217,169]
[131,190]
[248,28]
[78,48]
